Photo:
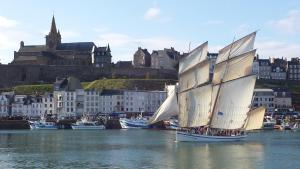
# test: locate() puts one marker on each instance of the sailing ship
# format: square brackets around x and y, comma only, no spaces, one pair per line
[217,109]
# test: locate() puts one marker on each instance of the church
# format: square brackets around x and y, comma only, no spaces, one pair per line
[54,52]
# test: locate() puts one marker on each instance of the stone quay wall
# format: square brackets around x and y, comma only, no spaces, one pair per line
[11,75]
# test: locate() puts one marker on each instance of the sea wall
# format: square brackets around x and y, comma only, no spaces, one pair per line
[11,75]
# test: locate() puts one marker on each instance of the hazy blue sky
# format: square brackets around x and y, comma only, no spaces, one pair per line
[125,25]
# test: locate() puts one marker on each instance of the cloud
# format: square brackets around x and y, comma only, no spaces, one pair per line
[152,13]
[7,23]
[290,24]
[269,48]
[10,37]
[123,46]
[155,14]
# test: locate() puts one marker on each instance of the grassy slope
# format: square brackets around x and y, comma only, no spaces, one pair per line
[141,84]
[144,84]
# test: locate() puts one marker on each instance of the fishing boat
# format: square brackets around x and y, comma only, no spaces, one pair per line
[85,124]
[138,122]
[42,125]
[218,109]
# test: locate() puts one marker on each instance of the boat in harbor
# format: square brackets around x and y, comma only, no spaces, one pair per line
[139,122]
[85,124]
[269,123]
[42,125]
[171,124]
[296,127]
[218,109]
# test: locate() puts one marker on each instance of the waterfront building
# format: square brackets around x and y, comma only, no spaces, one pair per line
[294,69]
[264,97]
[48,104]
[143,101]
[91,101]
[111,101]
[27,106]
[17,105]
[68,97]
[282,100]
[142,58]
[165,59]
[4,105]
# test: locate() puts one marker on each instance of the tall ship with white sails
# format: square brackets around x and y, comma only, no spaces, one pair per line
[217,109]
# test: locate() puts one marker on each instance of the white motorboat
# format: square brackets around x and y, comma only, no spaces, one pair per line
[269,123]
[171,124]
[84,124]
[42,125]
[296,127]
[138,122]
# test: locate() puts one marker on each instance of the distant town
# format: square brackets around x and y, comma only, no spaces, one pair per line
[66,64]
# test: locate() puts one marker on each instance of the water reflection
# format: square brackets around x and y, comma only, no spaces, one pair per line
[217,155]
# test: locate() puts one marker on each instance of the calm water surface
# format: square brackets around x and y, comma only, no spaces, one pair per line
[144,149]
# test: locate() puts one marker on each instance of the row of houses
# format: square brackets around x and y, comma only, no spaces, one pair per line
[69,99]
[272,68]
[277,68]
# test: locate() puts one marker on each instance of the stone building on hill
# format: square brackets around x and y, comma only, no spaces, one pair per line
[165,59]
[54,52]
[142,58]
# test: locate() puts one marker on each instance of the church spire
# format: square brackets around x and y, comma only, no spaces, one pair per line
[108,48]
[53,26]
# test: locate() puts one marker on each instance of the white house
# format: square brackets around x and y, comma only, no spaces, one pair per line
[4,106]
[264,97]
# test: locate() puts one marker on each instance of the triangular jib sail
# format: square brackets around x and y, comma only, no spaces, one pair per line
[168,109]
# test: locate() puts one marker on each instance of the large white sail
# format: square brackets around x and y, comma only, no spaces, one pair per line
[195,76]
[194,106]
[193,58]
[255,118]
[234,68]
[168,109]
[233,103]
[236,48]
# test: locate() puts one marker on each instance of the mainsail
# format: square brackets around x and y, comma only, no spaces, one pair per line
[233,103]
[233,84]
[194,95]
[255,119]
[168,109]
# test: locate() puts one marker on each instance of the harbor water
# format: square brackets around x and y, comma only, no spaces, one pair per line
[144,149]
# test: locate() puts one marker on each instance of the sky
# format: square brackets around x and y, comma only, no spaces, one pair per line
[129,24]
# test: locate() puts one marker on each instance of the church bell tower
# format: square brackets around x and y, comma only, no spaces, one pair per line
[53,39]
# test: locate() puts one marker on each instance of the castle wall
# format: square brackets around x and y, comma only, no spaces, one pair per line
[11,75]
